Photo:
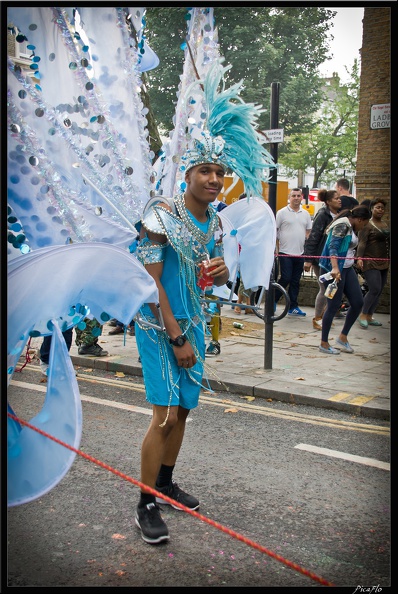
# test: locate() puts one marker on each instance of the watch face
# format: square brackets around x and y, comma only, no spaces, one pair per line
[179,341]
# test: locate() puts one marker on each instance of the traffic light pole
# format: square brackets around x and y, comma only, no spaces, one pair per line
[272,188]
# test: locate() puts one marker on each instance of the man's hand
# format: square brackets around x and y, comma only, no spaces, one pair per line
[220,272]
[185,356]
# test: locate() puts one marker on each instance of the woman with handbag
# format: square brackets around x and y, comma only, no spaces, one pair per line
[338,258]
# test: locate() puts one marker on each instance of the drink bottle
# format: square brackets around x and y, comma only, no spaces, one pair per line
[331,290]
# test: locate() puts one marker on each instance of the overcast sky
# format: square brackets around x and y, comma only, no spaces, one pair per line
[347,33]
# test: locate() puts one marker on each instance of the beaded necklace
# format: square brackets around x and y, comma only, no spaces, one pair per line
[200,236]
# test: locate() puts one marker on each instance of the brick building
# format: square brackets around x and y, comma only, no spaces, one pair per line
[373,171]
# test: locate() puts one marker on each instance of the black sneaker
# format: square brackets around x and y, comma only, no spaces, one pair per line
[93,350]
[150,522]
[174,492]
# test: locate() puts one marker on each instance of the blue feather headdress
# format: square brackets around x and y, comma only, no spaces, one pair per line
[227,133]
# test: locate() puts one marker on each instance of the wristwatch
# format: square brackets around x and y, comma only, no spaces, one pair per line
[179,341]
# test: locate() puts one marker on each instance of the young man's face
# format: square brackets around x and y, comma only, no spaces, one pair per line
[205,181]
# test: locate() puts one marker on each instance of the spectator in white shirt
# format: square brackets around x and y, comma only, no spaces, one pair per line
[293,225]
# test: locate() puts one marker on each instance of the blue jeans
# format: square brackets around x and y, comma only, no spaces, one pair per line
[46,344]
[291,269]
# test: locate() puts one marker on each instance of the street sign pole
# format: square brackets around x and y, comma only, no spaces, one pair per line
[272,188]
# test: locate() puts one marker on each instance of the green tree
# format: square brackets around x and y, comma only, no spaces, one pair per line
[166,29]
[330,145]
[263,45]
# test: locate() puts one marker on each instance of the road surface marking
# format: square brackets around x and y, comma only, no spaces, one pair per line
[129,407]
[296,416]
[357,400]
[244,407]
[343,456]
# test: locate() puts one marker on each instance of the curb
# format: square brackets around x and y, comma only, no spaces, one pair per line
[372,409]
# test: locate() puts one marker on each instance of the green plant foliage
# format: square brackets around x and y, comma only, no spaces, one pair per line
[330,145]
[266,44]
[263,45]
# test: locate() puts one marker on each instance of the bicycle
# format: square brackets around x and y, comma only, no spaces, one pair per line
[258,301]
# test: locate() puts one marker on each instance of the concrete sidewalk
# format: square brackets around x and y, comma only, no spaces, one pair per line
[357,383]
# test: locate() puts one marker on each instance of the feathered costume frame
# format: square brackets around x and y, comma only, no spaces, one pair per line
[79,175]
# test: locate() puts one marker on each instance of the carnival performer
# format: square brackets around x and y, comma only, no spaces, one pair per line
[173,371]
[177,235]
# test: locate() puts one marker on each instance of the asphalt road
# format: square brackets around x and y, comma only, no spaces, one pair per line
[302,497]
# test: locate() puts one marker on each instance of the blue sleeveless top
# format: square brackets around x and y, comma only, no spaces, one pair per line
[176,286]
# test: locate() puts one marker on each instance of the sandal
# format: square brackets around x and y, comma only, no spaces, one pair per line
[373,322]
[316,323]
[329,350]
[238,310]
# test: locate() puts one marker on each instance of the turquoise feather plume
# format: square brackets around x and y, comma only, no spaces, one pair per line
[235,121]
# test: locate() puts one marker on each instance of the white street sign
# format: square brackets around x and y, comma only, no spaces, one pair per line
[380,116]
[275,135]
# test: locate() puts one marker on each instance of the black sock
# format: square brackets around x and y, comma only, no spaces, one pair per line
[164,476]
[145,499]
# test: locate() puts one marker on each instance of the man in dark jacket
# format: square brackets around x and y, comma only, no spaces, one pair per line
[343,190]
[314,246]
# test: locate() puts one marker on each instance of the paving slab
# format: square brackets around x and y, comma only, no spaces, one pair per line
[299,372]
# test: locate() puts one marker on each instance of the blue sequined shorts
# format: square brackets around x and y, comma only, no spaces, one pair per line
[167,384]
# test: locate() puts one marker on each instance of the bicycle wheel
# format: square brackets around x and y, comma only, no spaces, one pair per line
[257,301]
